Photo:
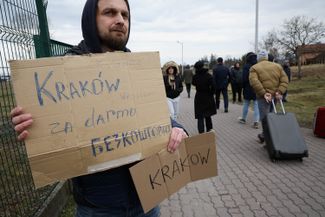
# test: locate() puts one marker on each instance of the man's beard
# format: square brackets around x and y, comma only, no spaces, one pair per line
[114,43]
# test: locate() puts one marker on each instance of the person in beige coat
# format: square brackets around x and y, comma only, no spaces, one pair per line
[269,81]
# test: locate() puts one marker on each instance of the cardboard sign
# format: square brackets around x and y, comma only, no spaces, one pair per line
[163,174]
[91,113]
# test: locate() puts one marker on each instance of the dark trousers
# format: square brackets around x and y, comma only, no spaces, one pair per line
[188,89]
[208,124]
[236,89]
[225,97]
[284,99]
[264,108]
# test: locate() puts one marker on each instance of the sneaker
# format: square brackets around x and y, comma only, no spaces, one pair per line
[242,121]
[261,138]
[255,125]
[226,110]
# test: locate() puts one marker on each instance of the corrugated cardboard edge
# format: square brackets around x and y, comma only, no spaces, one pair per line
[150,198]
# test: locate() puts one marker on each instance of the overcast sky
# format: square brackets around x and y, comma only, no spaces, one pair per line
[224,28]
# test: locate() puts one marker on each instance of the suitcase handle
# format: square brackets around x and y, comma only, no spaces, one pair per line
[274,108]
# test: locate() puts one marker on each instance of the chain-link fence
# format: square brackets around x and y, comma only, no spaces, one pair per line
[20,38]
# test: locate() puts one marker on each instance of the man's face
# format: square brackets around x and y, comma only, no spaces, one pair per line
[112,24]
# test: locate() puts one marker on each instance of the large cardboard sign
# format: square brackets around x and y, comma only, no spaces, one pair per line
[91,113]
[163,174]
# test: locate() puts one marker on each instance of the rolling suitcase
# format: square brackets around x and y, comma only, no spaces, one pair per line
[319,122]
[283,137]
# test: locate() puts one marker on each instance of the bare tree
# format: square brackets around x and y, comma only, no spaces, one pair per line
[300,31]
[270,44]
[296,33]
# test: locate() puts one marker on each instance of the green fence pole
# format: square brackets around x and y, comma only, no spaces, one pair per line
[44,41]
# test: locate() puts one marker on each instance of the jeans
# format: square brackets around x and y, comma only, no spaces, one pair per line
[136,211]
[225,97]
[173,105]
[264,108]
[200,124]
[256,110]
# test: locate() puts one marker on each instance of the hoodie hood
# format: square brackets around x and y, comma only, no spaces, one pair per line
[170,64]
[251,58]
[200,67]
[89,27]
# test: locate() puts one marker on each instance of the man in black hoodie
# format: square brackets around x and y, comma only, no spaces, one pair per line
[105,28]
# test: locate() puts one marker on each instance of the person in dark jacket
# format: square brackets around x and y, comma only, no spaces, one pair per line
[249,94]
[173,87]
[221,77]
[187,78]
[105,27]
[286,68]
[204,104]
[236,81]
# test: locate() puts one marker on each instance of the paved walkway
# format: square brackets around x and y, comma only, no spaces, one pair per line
[249,184]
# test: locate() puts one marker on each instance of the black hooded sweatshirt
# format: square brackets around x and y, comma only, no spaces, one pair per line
[91,42]
[113,188]
[248,92]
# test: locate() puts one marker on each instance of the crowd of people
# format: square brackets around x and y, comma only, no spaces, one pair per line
[259,81]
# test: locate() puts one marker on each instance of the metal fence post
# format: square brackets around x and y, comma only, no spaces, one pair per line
[23,27]
[42,46]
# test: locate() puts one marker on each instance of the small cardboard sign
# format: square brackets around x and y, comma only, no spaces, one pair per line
[163,174]
[91,113]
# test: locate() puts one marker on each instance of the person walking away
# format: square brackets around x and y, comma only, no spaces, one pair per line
[269,81]
[221,77]
[173,87]
[204,104]
[232,83]
[187,78]
[105,28]
[286,68]
[249,94]
[236,80]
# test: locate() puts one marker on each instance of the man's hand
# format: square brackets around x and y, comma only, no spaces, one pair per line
[176,137]
[268,97]
[21,122]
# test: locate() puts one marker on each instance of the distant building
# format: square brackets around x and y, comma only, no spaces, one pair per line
[312,54]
